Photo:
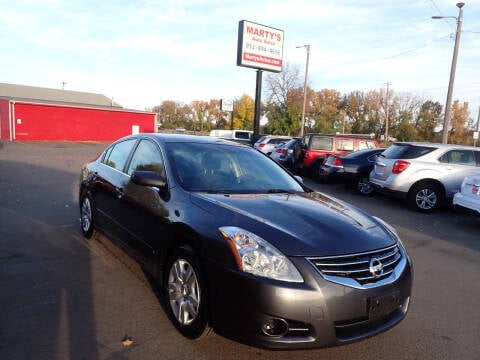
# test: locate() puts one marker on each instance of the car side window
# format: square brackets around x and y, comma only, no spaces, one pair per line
[345,144]
[321,143]
[366,144]
[117,156]
[146,157]
[459,157]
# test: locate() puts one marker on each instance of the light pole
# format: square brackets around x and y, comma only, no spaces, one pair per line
[446,121]
[304,88]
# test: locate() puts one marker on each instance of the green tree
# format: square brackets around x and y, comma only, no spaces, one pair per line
[405,129]
[283,107]
[428,119]
[327,111]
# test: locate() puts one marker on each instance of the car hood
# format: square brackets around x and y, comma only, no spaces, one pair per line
[306,224]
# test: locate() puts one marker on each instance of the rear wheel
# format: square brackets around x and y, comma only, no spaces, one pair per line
[316,169]
[185,294]
[425,197]
[363,186]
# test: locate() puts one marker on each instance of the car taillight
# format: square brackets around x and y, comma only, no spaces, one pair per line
[400,166]
[261,145]
[337,162]
[279,150]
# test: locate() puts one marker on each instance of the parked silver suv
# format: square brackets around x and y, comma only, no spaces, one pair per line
[267,142]
[426,174]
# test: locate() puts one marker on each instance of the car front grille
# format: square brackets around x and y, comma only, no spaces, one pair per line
[362,270]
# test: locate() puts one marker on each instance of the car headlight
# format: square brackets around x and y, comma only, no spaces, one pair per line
[258,257]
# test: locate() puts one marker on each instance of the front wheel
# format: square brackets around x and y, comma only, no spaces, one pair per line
[185,294]
[86,216]
[425,197]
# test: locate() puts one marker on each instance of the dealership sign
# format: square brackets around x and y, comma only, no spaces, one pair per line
[259,46]
[226,105]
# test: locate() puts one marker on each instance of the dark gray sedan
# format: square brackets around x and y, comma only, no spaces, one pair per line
[239,245]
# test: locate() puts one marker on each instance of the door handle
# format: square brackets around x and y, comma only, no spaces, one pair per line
[119,192]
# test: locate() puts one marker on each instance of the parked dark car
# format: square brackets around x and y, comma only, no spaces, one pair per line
[196,212]
[353,168]
[317,147]
[283,153]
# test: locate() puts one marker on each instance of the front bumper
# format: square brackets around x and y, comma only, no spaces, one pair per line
[316,313]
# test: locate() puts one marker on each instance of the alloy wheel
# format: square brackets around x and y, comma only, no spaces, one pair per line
[426,199]
[86,215]
[364,186]
[183,292]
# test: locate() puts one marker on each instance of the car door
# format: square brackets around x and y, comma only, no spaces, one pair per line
[107,190]
[144,211]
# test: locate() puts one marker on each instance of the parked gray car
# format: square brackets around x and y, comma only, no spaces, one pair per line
[426,174]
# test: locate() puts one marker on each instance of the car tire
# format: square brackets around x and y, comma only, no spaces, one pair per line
[186,294]
[87,221]
[363,186]
[316,169]
[425,197]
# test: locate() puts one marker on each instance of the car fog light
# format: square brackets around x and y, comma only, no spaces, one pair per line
[275,327]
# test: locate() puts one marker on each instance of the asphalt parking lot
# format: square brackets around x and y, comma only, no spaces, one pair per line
[63,297]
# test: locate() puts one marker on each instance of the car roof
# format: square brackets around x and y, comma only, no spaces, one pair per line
[277,136]
[436,145]
[171,138]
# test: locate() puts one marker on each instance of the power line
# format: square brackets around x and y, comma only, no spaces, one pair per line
[447,20]
[390,56]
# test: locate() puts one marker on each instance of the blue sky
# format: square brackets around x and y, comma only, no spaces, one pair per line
[143,52]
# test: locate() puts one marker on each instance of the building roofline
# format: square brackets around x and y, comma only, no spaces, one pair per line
[71,104]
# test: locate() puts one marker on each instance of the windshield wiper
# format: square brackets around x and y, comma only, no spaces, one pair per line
[211,191]
[280,191]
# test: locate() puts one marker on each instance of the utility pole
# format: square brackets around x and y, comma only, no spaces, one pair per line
[475,136]
[386,112]
[305,83]
[446,121]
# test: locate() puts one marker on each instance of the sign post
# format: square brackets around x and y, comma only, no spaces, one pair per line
[227,106]
[259,47]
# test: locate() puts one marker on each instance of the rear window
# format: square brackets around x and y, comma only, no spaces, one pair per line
[406,151]
[242,135]
[321,143]
[277,141]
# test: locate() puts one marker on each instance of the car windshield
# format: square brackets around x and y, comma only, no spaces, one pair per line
[222,168]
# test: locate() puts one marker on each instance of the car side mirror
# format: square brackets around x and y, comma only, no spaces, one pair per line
[149,178]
